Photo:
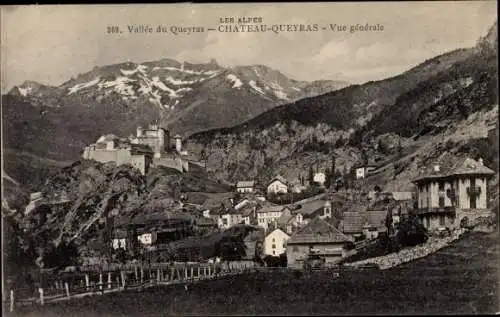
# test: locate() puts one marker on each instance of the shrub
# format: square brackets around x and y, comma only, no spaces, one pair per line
[411,232]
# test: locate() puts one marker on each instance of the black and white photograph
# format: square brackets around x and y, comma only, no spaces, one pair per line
[250,159]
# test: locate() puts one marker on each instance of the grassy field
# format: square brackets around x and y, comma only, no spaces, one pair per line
[459,279]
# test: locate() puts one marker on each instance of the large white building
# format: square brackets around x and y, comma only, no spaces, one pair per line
[275,243]
[452,194]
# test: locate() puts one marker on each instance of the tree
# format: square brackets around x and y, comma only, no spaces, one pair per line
[411,232]
[389,222]
[333,168]
[311,176]
[364,157]
[328,178]
[400,149]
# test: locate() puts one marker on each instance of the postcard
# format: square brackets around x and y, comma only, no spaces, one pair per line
[332,158]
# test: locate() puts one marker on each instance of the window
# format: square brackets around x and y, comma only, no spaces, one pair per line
[441,220]
[284,245]
[273,246]
[441,201]
[273,240]
[274,252]
[441,186]
[295,248]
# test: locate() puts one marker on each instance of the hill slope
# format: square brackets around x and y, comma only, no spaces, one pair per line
[448,97]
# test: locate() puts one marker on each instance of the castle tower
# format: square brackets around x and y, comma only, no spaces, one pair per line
[161,139]
[178,143]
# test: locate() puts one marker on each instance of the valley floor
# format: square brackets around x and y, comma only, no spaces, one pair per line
[459,279]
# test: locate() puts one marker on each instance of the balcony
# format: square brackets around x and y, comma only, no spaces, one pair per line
[437,210]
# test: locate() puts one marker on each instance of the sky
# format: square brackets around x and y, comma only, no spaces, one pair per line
[51,44]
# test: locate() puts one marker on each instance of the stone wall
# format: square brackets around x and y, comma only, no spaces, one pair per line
[410,254]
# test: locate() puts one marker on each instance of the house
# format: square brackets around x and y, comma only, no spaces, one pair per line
[363,171]
[269,215]
[318,236]
[361,225]
[204,224]
[229,218]
[452,194]
[299,216]
[245,186]
[249,214]
[319,178]
[275,242]
[277,185]
[119,240]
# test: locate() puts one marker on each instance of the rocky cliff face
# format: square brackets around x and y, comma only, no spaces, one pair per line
[446,104]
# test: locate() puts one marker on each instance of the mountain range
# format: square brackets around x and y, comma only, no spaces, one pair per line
[46,127]
[253,122]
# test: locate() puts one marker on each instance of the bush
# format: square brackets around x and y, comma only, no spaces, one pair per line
[411,233]
[276,261]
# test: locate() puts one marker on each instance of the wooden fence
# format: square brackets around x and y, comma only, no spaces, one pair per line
[101,280]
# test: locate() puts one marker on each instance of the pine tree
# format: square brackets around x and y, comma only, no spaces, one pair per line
[400,149]
[333,167]
[311,175]
[328,178]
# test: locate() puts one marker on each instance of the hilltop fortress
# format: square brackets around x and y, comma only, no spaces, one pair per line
[149,147]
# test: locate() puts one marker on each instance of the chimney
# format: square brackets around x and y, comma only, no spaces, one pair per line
[480,161]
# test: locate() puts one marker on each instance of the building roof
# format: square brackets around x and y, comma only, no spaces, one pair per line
[318,231]
[376,218]
[308,207]
[203,221]
[140,149]
[353,222]
[243,184]
[271,208]
[277,229]
[448,167]
[278,178]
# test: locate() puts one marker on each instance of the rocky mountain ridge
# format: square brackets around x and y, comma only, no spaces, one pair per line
[417,112]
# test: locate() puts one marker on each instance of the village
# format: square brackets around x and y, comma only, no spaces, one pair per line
[278,223]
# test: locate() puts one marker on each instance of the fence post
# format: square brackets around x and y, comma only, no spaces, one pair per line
[66,287]
[109,280]
[172,271]
[192,272]
[118,281]
[11,300]
[158,276]
[101,282]
[40,291]
[87,282]
[123,279]
[142,275]
[198,275]
[209,269]
[136,274]
[186,272]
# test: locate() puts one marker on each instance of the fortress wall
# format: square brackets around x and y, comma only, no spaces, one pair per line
[139,161]
[174,163]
